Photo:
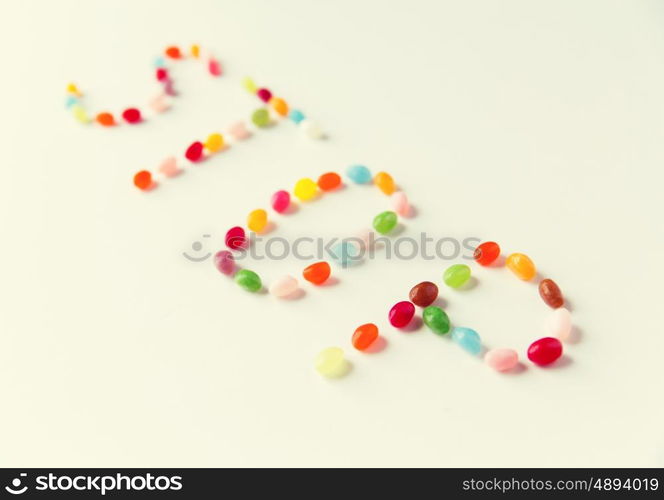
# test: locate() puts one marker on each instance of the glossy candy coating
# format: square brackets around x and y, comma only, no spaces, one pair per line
[550,293]
[248,280]
[264,95]
[559,324]
[400,203]
[385,183]
[173,52]
[280,201]
[401,314]
[330,362]
[194,152]
[486,253]
[214,142]
[73,90]
[317,273]
[456,275]
[257,220]
[501,360]
[195,51]
[161,74]
[545,351]
[236,238]
[305,189]
[345,253]
[214,67]
[296,116]
[329,181]
[521,265]
[261,117]
[436,319]
[359,174]
[468,339]
[423,294]
[143,180]
[105,119]
[279,106]
[364,336]
[131,115]
[224,262]
[385,222]
[284,287]
[249,85]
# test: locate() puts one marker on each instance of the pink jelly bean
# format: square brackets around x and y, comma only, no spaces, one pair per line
[280,201]
[239,131]
[501,360]
[401,314]
[400,203]
[169,167]
[214,67]
[224,262]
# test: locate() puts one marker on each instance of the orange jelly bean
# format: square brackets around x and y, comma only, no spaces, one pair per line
[173,52]
[279,105]
[364,336]
[329,181]
[385,183]
[105,119]
[143,180]
[521,265]
[317,273]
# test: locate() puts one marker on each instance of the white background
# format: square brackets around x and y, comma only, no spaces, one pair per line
[535,124]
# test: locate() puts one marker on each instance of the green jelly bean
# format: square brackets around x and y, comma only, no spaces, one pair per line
[248,280]
[436,319]
[261,117]
[385,222]
[457,275]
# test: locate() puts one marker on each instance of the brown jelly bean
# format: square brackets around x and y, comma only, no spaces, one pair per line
[423,294]
[551,294]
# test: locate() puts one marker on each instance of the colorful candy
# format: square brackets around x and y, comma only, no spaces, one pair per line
[132,115]
[330,362]
[195,51]
[169,167]
[248,280]
[257,220]
[305,189]
[311,129]
[521,265]
[279,105]
[501,360]
[261,117]
[423,294]
[224,262]
[385,183]
[329,181]
[80,113]
[400,203]
[105,119]
[173,52]
[486,253]
[560,324]
[296,116]
[317,273]
[401,314]
[214,142]
[545,351]
[73,90]
[364,336]
[456,275]
[264,95]
[214,67]
[236,238]
[239,131]
[194,152]
[143,180]
[345,253]
[281,201]
[159,103]
[284,287]
[550,293]
[359,174]
[249,85]
[468,339]
[161,74]
[385,222]
[436,319]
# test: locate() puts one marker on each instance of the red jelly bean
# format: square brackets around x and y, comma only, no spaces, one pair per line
[545,351]
[364,336]
[329,181]
[551,294]
[423,294]
[236,238]
[264,95]
[162,74]
[173,52]
[486,253]
[143,180]
[131,115]
[281,201]
[317,273]
[194,152]
[401,314]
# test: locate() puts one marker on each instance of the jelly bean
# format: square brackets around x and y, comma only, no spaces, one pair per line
[70,101]
[366,239]
[521,265]
[194,152]
[545,351]
[436,319]
[73,89]
[248,280]
[486,253]
[131,115]
[249,85]
[401,314]
[168,88]
[281,201]
[284,287]
[468,339]
[105,119]
[317,273]
[329,181]
[359,174]
[305,189]
[501,360]
[385,222]
[80,114]
[385,183]
[330,362]
[423,294]
[239,131]
[560,324]
[261,117]
[345,253]
[195,51]
[456,275]
[159,103]
[364,336]
[214,142]
[264,95]
[296,116]
[169,167]
[279,105]
[236,238]
[550,293]
[311,129]
[224,262]
[257,220]
[400,203]
[143,180]
[173,52]
[214,67]
[159,62]
[161,74]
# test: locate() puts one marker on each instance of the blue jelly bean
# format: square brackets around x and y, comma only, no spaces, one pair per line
[359,174]
[345,253]
[296,115]
[159,62]
[468,339]
[71,101]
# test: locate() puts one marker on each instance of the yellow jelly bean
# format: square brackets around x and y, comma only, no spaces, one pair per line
[80,114]
[330,362]
[385,183]
[73,89]
[214,142]
[305,189]
[521,265]
[257,220]
[195,51]
[279,105]
[249,85]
